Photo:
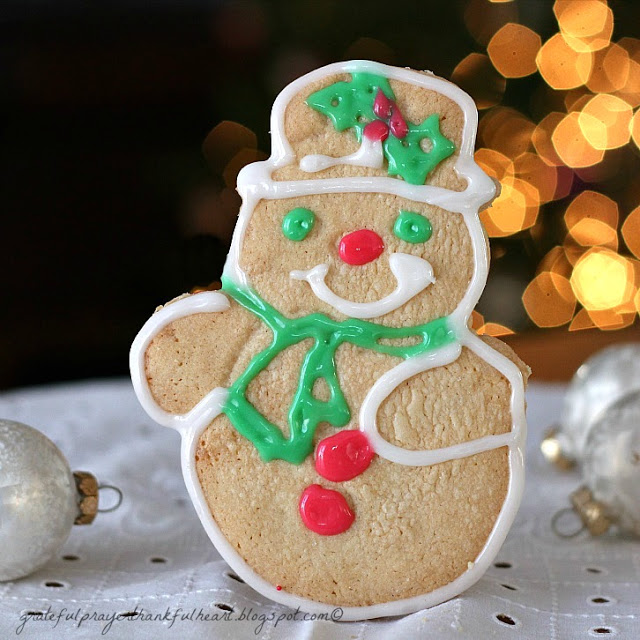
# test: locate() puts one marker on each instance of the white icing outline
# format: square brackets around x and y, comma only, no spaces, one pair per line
[369,154]
[211,405]
[255,183]
[413,274]
[391,380]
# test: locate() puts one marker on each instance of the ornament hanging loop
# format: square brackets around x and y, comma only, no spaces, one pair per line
[557,529]
[119,498]
[88,497]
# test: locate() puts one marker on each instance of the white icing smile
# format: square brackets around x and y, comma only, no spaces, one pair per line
[413,274]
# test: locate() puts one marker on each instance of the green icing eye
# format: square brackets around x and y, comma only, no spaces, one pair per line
[412,227]
[297,224]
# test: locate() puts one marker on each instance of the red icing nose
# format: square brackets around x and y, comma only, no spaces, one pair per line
[360,247]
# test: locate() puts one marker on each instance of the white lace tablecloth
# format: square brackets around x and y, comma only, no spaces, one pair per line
[152,560]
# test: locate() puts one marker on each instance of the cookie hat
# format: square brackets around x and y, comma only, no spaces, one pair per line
[404,126]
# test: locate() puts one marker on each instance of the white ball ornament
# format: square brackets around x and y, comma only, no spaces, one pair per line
[610,495]
[611,463]
[40,499]
[600,381]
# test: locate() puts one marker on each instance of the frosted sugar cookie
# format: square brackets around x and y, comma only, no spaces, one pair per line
[348,440]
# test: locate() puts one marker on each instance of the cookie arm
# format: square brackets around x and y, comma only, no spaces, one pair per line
[393,378]
[209,406]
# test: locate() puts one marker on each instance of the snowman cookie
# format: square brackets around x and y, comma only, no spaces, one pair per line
[347,440]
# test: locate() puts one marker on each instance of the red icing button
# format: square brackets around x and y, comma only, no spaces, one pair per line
[360,247]
[344,455]
[376,131]
[324,511]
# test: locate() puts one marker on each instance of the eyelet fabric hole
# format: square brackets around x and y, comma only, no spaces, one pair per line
[54,584]
[506,620]
[233,576]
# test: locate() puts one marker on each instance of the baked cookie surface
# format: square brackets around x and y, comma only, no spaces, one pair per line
[348,441]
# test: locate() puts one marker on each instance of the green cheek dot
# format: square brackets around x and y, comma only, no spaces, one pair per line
[412,227]
[298,223]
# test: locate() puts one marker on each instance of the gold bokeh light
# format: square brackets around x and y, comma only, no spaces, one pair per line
[549,300]
[634,128]
[586,25]
[492,121]
[581,18]
[594,206]
[483,18]
[513,137]
[576,98]
[594,132]
[610,69]
[631,232]
[556,262]
[226,140]
[513,50]
[477,320]
[515,209]
[561,66]
[533,170]
[542,138]
[477,76]
[571,144]
[590,233]
[494,163]
[605,121]
[591,220]
[605,320]
[630,92]
[494,329]
[602,280]
[576,133]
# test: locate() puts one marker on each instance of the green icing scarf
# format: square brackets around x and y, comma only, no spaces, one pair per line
[306,412]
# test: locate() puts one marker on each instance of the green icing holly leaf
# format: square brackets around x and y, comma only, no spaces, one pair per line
[350,104]
[408,159]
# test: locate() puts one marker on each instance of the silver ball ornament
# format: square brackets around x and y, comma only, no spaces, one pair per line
[600,381]
[40,499]
[611,463]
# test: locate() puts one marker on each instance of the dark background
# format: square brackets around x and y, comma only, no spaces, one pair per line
[109,207]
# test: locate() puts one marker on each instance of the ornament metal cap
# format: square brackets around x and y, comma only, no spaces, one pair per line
[89,499]
[552,450]
[593,515]
[87,487]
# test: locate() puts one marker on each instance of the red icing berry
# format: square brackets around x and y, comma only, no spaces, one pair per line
[397,124]
[325,511]
[382,105]
[376,131]
[360,247]
[344,455]
[278,587]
